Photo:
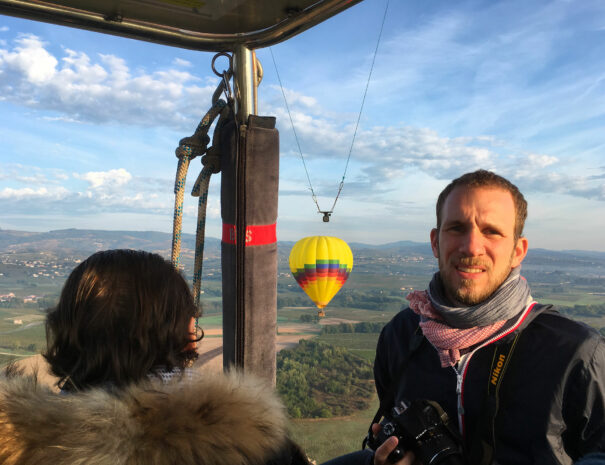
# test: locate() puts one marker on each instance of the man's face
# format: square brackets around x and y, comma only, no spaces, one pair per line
[475,244]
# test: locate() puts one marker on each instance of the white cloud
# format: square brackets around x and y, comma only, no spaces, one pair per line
[115,191]
[79,88]
[27,193]
[63,119]
[30,60]
[293,97]
[384,157]
[4,29]
[536,161]
[180,62]
[106,179]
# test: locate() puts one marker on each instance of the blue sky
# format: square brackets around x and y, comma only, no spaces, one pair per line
[89,122]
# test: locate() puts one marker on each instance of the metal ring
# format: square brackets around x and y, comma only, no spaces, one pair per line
[222,54]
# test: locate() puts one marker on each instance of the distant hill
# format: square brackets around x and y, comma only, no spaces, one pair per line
[85,242]
[397,248]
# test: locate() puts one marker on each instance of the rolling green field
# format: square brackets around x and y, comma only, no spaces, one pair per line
[24,339]
[361,344]
[570,299]
[362,281]
[323,439]
[293,314]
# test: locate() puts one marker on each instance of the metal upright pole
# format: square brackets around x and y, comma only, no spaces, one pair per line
[244,82]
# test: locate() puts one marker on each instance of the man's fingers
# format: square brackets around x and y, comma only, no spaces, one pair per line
[382,453]
[388,446]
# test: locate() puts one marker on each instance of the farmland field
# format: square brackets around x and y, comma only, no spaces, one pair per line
[362,344]
[326,438]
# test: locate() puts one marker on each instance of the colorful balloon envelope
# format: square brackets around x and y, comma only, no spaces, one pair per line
[321,265]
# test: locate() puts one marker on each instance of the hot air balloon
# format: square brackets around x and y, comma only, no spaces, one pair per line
[321,265]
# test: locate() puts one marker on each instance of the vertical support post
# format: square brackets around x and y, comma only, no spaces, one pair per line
[249,185]
[244,82]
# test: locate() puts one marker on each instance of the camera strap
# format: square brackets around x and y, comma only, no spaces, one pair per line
[482,447]
[389,399]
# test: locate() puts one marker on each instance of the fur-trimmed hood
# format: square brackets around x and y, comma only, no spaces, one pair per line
[221,419]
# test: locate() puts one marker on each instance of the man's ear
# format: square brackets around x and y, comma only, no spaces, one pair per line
[520,251]
[435,242]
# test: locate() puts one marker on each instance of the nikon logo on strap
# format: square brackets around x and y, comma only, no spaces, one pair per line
[496,371]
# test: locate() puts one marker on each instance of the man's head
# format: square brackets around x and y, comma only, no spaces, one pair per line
[487,179]
[121,314]
[480,218]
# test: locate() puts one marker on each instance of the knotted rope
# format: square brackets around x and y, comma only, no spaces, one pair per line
[188,149]
[212,164]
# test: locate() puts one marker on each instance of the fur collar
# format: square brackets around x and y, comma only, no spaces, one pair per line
[223,419]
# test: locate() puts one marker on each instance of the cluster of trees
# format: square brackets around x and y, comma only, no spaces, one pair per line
[318,380]
[363,327]
[309,318]
[293,300]
[596,310]
[584,310]
[17,345]
[211,306]
[369,299]
[42,303]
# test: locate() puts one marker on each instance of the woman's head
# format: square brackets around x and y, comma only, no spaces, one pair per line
[121,314]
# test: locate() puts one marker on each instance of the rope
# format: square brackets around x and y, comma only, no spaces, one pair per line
[327,213]
[212,164]
[188,149]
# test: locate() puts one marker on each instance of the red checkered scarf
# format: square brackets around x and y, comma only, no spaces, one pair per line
[447,340]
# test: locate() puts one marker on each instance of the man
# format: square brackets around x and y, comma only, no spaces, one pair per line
[523,384]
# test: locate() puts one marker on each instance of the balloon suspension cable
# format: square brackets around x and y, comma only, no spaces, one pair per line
[295,134]
[327,213]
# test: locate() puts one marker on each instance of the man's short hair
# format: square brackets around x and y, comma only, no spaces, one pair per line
[122,314]
[484,178]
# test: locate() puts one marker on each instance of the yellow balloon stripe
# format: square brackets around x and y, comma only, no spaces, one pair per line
[332,284]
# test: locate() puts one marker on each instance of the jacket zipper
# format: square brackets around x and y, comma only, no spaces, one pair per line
[460,407]
[461,371]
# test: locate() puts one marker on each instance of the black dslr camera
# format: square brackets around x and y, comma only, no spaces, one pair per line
[423,428]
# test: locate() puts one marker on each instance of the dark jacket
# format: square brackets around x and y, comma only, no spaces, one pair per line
[552,396]
[218,420]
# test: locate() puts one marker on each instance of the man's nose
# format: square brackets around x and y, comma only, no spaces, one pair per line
[472,243]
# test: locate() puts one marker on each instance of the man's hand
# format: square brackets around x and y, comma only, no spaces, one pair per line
[388,446]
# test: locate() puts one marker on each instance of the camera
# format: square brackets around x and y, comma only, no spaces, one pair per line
[424,428]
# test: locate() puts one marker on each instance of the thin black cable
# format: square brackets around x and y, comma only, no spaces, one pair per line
[365,93]
[294,131]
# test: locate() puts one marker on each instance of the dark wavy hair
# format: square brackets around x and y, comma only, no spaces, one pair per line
[122,314]
[484,178]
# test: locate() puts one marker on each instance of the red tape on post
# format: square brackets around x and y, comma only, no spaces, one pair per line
[261,234]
